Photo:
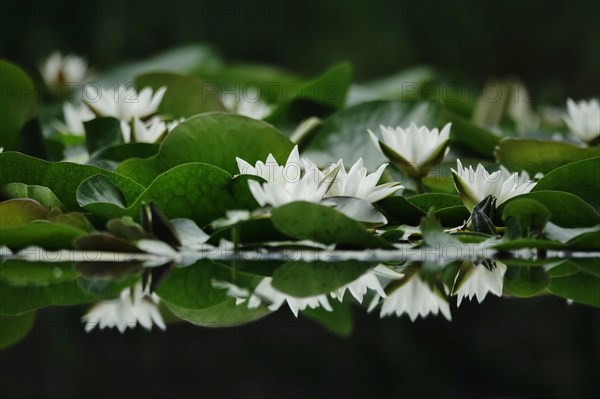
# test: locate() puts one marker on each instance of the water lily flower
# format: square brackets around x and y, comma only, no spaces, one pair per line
[291,182]
[59,69]
[124,103]
[480,280]
[75,116]
[413,297]
[359,183]
[474,185]
[583,119]
[147,132]
[132,307]
[247,103]
[264,292]
[231,218]
[414,150]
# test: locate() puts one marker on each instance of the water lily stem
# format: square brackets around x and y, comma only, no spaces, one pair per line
[419,185]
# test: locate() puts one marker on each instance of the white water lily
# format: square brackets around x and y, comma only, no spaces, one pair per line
[291,182]
[125,103]
[75,116]
[264,292]
[415,298]
[414,150]
[583,119]
[479,281]
[132,307]
[474,185]
[147,132]
[247,103]
[358,183]
[59,69]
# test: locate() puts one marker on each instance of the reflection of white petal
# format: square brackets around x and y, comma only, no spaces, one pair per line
[359,287]
[480,281]
[414,298]
[126,312]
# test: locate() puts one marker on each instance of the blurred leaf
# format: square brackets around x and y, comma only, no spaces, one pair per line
[536,156]
[580,287]
[339,321]
[21,273]
[18,105]
[525,282]
[17,212]
[15,328]
[477,139]
[101,133]
[185,96]
[531,215]
[41,194]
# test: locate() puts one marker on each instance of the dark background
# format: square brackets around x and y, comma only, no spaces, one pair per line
[528,348]
[552,45]
[503,348]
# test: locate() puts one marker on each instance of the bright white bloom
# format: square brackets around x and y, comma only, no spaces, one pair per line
[285,183]
[246,103]
[584,119]
[474,185]
[75,116]
[130,308]
[264,292]
[1,149]
[124,103]
[415,298]
[59,69]
[479,280]
[358,183]
[359,287]
[147,132]
[415,149]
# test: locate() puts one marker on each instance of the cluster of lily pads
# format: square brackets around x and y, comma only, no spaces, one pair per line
[183,188]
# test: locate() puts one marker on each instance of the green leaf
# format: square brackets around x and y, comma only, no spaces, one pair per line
[215,139]
[531,215]
[438,201]
[122,152]
[18,105]
[306,279]
[309,221]
[194,191]
[185,96]
[580,287]
[62,178]
[339,321]
[101,133]
[536,156]
[189,294]
[525,282]
[17,300]
[567,210]
[344,134]
[581,178]
[41,233]
[21,273]
[15,328]
[41,194]
[398,210]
